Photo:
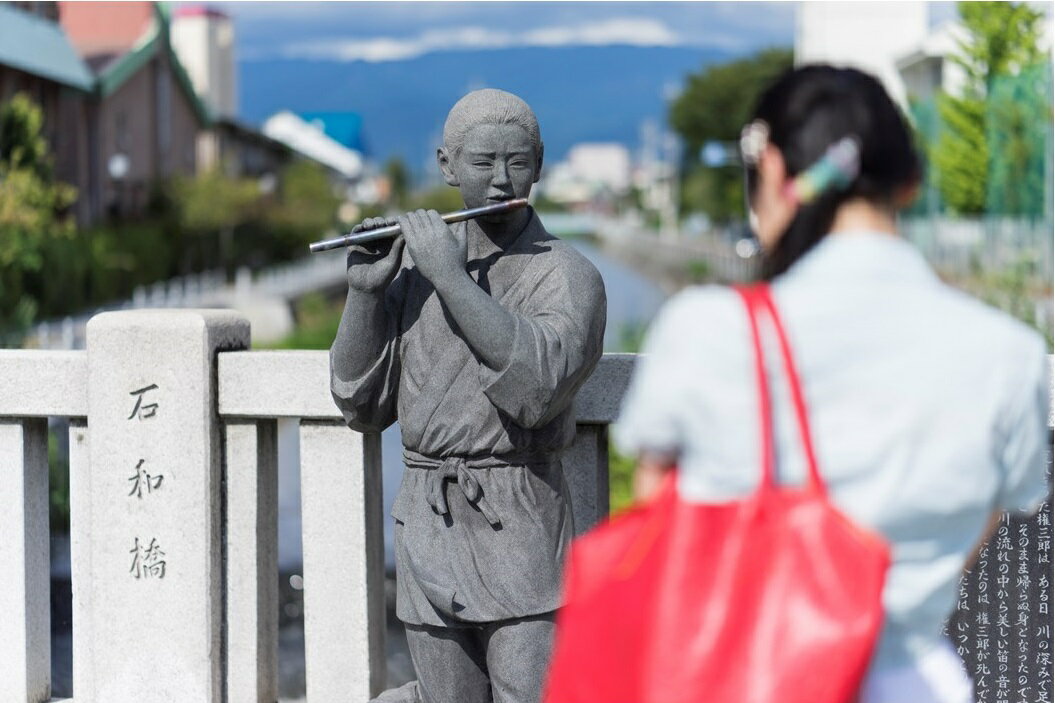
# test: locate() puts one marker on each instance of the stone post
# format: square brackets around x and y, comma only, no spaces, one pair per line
[155,549]
[586,471]
[586,460]
[25,618]
[344,587]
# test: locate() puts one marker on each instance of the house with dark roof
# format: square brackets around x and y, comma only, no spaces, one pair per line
[121,112]
[37,59]
[145,115]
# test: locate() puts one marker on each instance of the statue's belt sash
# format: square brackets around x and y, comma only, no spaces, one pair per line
[457,468]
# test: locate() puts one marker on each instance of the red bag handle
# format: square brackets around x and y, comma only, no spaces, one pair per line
[755,298]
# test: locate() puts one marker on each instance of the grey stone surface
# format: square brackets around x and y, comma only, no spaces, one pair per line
[476,337]
[276,384]
[154,558]
[297,384]
[37,383]
[25,616]
[586,470]
[251,566]
[497,662]
[599,398]
[344,606]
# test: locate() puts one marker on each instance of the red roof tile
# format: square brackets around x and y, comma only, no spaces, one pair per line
[198,11]
[105,27]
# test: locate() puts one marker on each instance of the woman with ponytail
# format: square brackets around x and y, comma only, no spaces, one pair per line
[928,409]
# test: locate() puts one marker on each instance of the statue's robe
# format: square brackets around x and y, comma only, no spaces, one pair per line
[483,516]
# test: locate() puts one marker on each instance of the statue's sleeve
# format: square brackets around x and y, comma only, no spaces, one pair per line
[557,341]
[368,402]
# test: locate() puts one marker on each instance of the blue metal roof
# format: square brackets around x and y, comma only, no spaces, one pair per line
[343,127]
[37,46]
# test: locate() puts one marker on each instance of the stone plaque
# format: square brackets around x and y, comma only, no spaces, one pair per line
[1003,619]
[154,555]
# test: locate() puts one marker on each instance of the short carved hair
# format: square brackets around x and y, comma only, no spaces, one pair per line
[488,106]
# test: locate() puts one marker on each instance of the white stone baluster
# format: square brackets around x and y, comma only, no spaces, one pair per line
[251,480]
[80,566]
[344,609]
[25,588]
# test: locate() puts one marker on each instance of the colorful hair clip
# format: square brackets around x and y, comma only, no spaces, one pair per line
[836,169]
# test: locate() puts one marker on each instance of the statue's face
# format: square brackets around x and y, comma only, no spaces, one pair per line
[496,162]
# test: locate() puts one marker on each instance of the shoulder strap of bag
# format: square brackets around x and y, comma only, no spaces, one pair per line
[757,298]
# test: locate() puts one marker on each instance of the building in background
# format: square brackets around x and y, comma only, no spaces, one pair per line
[592,176]
[122,114]
[145,115]
[203,38]
[244,152]
[893,41]
[37,59]
[870,36]
[345,128]
[311,141]
[926,69]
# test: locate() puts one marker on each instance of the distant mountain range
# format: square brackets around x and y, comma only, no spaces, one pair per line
[596,93]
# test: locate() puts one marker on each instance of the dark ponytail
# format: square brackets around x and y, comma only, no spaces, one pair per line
[812,107]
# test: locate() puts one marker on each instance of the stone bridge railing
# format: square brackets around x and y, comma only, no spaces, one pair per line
[173,513]
[173,498]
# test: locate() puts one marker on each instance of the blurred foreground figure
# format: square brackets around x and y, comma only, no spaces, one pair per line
[476,337]
[928,408]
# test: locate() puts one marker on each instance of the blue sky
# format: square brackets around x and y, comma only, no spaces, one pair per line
[380,31]
[392,30]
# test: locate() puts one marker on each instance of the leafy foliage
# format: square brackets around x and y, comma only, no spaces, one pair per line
[620,480]
[211,201]
[714,106]
[307,207]
[49,269]
[961,154]
[1018,134]
[1001,41]
[317,323]
[441,198]
[32,207]
[398,181]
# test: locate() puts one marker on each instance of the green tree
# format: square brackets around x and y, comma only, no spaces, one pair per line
[307,205]
[32,211]
[398,181]
[1000,40]
[1018,135]
[441,198]
[715,105]
[210,207]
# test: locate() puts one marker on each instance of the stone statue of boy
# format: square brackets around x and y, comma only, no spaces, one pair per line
[475,337]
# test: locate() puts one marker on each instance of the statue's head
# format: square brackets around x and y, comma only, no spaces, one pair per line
[492,149]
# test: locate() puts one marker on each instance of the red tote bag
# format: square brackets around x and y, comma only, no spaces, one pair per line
[773,598]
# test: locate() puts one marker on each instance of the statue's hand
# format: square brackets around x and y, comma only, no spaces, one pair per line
[437,251]
[372,266]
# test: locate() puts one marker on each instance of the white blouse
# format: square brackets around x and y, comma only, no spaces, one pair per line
[929,411]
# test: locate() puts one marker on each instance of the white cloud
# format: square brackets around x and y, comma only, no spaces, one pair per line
[626,30]
[635,31]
